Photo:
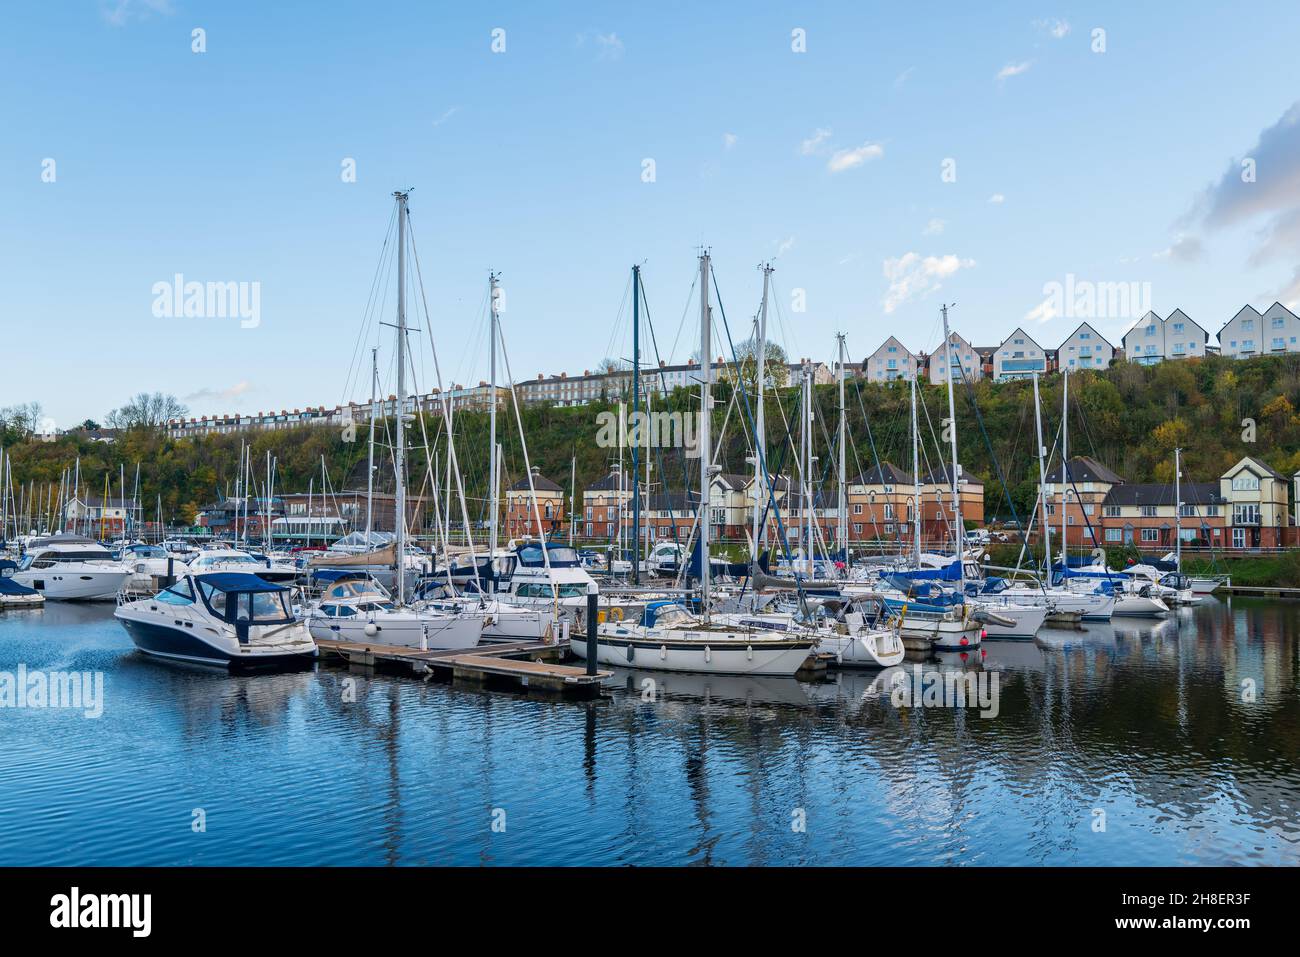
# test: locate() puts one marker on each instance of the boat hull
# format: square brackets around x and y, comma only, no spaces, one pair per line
[183,644]
[759,656]
[74,584]
[446,633]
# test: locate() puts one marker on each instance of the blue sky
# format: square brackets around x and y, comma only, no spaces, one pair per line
[1120,166]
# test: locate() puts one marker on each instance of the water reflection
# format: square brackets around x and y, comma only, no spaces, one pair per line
[1183,731]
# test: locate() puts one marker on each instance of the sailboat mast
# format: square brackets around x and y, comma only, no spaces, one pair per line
[573,495]
[810,508]
[952,433]
[843,489]
[370,461]
[1042,480]
[760,441]
[706,424]
[1065,457]
[492,421]
[639,426]
[399,458]
[917,505]
[1178,511]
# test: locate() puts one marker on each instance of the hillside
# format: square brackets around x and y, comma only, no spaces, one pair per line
[1129,417]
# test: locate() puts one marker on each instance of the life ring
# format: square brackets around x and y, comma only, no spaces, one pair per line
[616,614]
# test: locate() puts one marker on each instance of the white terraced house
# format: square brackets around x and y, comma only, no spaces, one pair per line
[1250,333]
[891,361]
[964,357]
[1019,357]
[1085,348]
[1153,339]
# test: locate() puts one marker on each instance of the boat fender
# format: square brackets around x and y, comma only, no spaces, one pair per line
[708,655]
[371,629]
[663,652]
[600,618]
[749,652]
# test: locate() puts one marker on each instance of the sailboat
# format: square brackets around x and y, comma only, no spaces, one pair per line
[669,636]
[360,612]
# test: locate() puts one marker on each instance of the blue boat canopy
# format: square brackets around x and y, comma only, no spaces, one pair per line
[237,582]
[10,587]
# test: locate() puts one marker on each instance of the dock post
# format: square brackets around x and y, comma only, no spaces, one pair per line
[591,628]
[171,572]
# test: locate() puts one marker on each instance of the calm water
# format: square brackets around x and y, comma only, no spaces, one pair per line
[1142,720]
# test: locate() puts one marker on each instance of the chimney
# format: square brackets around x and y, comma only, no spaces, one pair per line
[663,364]
[539,377]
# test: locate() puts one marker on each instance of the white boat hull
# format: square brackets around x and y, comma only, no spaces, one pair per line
[67,582]
[1136,606]
[400,630]
[698,652]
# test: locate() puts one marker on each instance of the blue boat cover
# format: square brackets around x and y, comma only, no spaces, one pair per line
[238,582]
[10,587]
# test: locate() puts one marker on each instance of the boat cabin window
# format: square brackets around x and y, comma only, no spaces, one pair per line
[178,594]
[260,607]
[673,616]
[215,598]
[338,611]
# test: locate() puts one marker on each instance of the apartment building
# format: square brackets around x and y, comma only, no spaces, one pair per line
[522,518]
[964,357]
[1018,357]
[1250,333]
[1152,339]
[890,362]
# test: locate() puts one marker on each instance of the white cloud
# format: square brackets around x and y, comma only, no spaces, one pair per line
[912,275]
[1014,69]
[813,144]
[729,140]
[1045,311]
[448,114]
[1185,249]
[219,395]
[1057,29]
[118,13]
[997,199]
[903,77]
[610,46]
[934,227]
[847,159]
[784,246]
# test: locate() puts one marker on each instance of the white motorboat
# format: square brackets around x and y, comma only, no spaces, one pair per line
[230,619]
[212,560]
[359,611]
[71,568]
[150,566]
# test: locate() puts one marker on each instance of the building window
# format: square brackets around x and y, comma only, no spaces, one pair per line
[1114,535]
[1148,511]
[1110,511]
[1245,514]
[1238,538]
[1150,534]
[1245,482]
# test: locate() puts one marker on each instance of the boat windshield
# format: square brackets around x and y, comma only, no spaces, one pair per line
[673,617]
[258,608]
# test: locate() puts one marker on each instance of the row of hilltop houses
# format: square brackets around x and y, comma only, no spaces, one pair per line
[1150,340]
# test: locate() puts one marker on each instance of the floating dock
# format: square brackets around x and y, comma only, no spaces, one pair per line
[530,665]
[1266,591]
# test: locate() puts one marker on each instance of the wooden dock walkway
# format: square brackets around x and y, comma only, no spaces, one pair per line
[1267,591]
[532,665]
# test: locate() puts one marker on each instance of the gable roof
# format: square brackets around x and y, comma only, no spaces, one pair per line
[1259,465]
[1179,314]
[1254,314]
[1084,468]
[1022,332]
[1092,329]
[1144,321]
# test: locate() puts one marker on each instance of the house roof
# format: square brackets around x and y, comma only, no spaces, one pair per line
[1083,468]
[940,476]
[886,473]
[1157,493]
[1258,465]
[1091,329]
[610,483]
[540,482]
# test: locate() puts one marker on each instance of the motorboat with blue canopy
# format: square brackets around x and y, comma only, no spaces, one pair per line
[231,619]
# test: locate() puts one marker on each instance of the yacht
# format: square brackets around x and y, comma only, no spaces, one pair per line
[231,619]
[671,638]
[150,565]
[71,568]
[358,610]
[212,560]
[14,595]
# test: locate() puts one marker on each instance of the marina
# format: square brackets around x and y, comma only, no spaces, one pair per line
[1143,720]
